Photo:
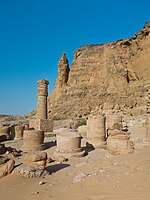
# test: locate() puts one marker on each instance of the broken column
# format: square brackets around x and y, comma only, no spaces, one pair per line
[118,141]
[19,132]
[96,131]
[68,144]
[4,133]
[41,122]
[33,140]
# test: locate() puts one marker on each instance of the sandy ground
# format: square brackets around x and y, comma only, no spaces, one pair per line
[109,178]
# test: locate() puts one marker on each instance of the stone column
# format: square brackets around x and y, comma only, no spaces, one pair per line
[4,133]
[118,141]
[42,99]
[96,131]
[33,140]
[41,122]
[19,132]
[68,144]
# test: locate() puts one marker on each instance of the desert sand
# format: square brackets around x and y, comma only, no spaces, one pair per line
[107,177]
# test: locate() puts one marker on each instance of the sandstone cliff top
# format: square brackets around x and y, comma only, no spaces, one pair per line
[139,35]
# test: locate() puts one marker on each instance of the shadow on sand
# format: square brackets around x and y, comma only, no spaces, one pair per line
[56,167]
[50,144]
[88,148]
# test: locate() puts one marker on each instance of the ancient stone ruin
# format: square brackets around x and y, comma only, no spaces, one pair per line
[96,131]
[118,141]
[68,144]
[19,132]
[4,133]
[107,133]
[41,122]
[34,164]
[33,140]
[107,77]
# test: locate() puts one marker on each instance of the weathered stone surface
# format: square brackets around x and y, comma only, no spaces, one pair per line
[113,121]
[19,132]
[41,124]
[33,140]
[96,131]
[82,130]
[31,171]
[38,157]
[111,76]
[68,145]
[5,131]
[119,145]
[41,112]
[7,168]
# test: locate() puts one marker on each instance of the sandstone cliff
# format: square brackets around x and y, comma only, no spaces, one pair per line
[112,76]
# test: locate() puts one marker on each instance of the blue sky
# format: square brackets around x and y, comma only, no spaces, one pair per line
[34,33]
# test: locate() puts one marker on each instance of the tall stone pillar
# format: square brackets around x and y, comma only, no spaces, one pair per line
[42,99]
[41,122]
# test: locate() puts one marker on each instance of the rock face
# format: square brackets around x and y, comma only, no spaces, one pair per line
[113,76]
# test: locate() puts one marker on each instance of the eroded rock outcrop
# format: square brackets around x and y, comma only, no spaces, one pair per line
[103,77]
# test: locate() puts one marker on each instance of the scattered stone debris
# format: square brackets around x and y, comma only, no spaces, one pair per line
[31,171]
[33,165]
[80,177]
[50,160]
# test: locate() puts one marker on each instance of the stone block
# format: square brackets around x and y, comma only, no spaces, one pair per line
[41,124]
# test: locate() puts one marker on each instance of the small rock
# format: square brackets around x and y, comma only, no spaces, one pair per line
[80,177]
[61,159]
[50,160]
[102,171]
[42,182]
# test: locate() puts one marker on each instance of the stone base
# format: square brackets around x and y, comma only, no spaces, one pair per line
[78,153]
[41,124]
[119,145]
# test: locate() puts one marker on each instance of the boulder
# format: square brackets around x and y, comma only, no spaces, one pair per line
[7,168]
[31,171]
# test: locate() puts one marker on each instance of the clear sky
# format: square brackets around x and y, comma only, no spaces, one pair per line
[34,33]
